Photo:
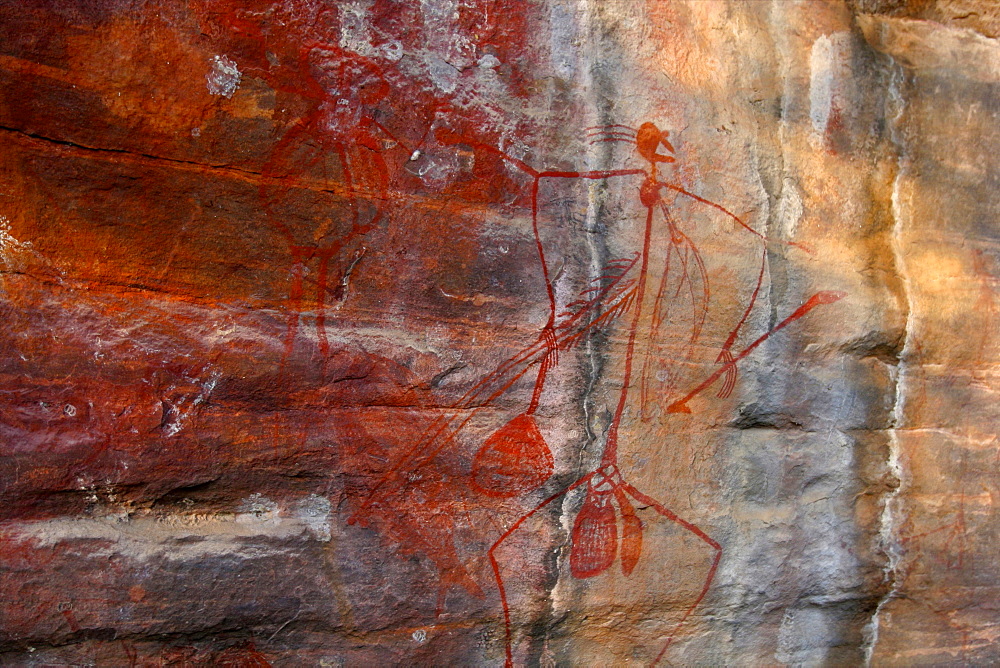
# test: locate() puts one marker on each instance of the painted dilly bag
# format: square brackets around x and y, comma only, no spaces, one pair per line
[515,459]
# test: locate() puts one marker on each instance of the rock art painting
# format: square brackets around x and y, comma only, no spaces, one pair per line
[483,332]
[516,459]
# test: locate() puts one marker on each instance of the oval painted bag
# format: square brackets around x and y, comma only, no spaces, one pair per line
[595,536]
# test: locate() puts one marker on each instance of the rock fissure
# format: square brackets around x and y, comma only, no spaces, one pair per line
[891,517]
[128,154]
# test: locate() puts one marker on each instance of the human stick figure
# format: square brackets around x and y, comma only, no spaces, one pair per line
[353,136]
[516,459]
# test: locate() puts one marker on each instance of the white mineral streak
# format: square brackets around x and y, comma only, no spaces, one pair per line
[829,69]
[893,517]
[916,46]
[564,40]
[186,406]
[821,83]
[224,77]
[12,251]
[562,593]
[790,209]
[255,530]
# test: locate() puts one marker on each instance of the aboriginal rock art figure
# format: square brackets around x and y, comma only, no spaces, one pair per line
[331,155]
[516,460]
[356,95]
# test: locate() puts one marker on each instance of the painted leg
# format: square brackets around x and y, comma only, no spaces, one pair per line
[496,566]
[324,345]
[673,517]
[295,306]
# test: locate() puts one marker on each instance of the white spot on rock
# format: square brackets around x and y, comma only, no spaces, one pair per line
[420,636]
[821,83]
[314,513]
[392,51]
[805,636]
[442,73]
[184,407]
[488,61]
[224,77]
[257,507]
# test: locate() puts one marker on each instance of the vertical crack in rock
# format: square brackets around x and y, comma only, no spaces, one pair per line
[603,89]
[784,181]
[594,347]
[592,350]
[892,510]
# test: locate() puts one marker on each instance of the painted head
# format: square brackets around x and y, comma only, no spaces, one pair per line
[648,139]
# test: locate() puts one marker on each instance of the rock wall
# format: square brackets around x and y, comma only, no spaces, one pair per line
[482,331]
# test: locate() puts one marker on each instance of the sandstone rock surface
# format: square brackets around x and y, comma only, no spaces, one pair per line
[561,332]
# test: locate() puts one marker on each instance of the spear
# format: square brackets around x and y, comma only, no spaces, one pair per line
[825,297]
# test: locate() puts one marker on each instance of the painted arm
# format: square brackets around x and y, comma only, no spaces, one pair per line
[452,138]
[725,355]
